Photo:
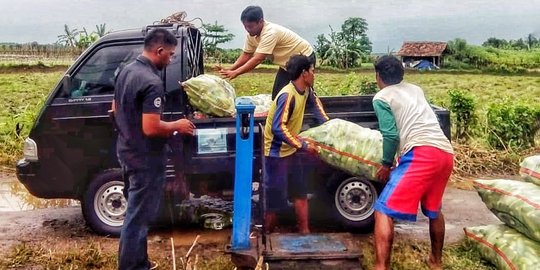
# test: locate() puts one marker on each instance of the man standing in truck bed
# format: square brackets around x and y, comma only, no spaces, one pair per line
[410,128]
[281,142]
[137,106]
[266,39]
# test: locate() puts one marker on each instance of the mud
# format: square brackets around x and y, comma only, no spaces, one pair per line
[65,227]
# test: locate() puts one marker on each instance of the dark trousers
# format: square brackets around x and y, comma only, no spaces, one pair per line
[145,192]
[284,178]
[283,78]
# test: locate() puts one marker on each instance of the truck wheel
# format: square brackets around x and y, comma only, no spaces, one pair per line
[104,205]
[354,199]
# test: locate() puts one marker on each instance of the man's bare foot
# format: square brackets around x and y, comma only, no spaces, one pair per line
[432,264]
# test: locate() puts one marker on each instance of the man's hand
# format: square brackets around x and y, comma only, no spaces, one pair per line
[312,149]
[228,74]
[218,68]
[184,126]
[383,173]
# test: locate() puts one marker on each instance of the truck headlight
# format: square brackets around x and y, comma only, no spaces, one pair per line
[30,151]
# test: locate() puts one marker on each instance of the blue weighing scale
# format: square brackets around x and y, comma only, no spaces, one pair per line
[250,249]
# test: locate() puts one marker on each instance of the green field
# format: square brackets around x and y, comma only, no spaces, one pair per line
[24,92]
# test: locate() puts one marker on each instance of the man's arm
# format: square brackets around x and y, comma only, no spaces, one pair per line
[253,62]
[242,59]
[279,122]
[388,129]
[154,127]
[317,108]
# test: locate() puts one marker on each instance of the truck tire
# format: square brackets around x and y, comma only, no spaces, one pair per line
[353,202]
[104,205]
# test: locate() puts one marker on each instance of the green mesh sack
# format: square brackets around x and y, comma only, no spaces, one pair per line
[505,247]
[348,146]
[211,95]
[515,203]
[530,169]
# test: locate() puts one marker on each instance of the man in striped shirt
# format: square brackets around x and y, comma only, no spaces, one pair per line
[281,142]
[411,130]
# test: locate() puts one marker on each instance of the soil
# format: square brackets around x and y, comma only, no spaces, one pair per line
[65,227]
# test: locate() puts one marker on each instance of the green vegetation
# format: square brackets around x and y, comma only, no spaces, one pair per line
[465,56]
[25,92]
[462,106]
[213,35]
[347,48]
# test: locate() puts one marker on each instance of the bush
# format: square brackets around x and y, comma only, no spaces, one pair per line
[512,125]
[224,56]
[462,106]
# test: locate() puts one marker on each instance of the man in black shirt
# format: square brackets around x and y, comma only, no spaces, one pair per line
[137,105]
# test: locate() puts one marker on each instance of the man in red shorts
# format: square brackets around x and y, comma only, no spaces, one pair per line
[410,129]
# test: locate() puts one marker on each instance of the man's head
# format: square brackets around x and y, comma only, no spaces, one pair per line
[159,47]
[253,20]
[301,69]
[389,71]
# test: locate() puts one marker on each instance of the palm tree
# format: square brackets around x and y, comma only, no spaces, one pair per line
[101,30]
[70,36]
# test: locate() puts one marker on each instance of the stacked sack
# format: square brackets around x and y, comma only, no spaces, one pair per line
[516,243]
[214,96]
[211,95]
[347,146]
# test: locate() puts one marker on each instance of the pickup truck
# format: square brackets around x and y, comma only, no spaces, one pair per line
[70,152]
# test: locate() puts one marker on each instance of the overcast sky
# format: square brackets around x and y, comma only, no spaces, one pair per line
[390,21]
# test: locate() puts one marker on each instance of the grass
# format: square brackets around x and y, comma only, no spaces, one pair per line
[24,93]
[406,255]
[410,254]
[94,255]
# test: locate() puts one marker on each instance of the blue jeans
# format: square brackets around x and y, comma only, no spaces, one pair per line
[145,192]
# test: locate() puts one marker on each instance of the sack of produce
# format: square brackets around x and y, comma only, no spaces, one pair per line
[530,169]
[505,247]
[262,104]
[347,146]
[211,95]
[515,203]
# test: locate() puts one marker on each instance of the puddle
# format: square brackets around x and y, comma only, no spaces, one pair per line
[15,197]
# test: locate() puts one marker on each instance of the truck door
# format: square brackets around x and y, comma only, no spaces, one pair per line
[77,136]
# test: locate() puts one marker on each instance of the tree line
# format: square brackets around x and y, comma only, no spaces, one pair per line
[344,48]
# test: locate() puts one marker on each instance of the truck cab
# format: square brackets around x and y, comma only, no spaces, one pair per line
[71,149]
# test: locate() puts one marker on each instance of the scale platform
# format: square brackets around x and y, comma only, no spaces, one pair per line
[312,251]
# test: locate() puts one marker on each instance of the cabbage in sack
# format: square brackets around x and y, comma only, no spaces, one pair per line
[530,169]
[348,146]
[211,95]
[515,203]
[505,247]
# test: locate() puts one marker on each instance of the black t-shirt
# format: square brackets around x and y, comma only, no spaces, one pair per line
[139,89]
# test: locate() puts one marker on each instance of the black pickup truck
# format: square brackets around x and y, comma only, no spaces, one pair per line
[70,151]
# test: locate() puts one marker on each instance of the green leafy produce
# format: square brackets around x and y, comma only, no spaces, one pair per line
[348,146]
[262,103]
[515,203]
[505,247]
[211,95]
[530,169]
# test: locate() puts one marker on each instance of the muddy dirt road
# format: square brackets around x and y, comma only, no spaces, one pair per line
[64,227]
